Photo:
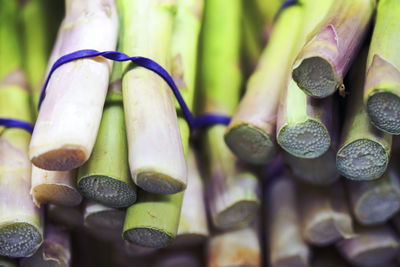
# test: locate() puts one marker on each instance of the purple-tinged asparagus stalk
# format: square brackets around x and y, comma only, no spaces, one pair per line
[55,187]
[371,246]
[325,215]
[69,117]
[193,228]
[363,154]
[382,83]
[235,248]
[54,252]
[250,134]
[286,245]
[375,202]
[66,217]
[21,231]
[321,65]
[305,169]
[156,155]
[176,258]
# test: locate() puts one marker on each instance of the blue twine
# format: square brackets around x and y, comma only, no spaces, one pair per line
[13,123]
[194,123]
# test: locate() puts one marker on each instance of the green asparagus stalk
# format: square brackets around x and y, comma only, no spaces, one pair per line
[21,230]
[231,189]
[156,155]
[325,215]
[364,150]
[374,202]
[321,65]
[235,248]
[371,246]
[105,177]
[285,242]
[67,125]
[55,251]
[161,224]
[382,84]
[193,228]
[305,169]
[304,125]
[250,134]
[66,217]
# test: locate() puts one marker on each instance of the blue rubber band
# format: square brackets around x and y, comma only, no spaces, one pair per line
[13,123]
[194,123]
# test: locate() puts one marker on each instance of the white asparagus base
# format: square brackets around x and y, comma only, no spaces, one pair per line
[69,118]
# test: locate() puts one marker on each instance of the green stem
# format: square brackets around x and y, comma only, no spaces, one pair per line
[325,59]
[105,177]
[364,150]
[382,84]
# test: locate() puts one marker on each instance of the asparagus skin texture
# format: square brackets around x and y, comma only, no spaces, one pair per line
[229,248]
[324,60]
[382,84]
[105,177]
[21,231]
[303,124]
[55,187]
[250,134]
[364,151]
[150,115]
[374,202]
[193,228]
[286,245]
[67,125]
[375,246]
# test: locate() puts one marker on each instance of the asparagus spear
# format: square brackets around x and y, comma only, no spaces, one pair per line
[364,151]
[55,251]
[286,246]
[105,176]
[173,258]
[321,65]
[154,215]
[325,215]
[382,84]
[235,248]
[8,262]
[156,156]
[370,247]
[67,124]
[231,189]
[305,169]
[374,202]
[67,217]
[21,230]
[250,134]
[304,125]
[193,228]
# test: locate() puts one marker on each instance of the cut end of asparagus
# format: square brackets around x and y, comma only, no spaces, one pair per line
[107,191]
[316,77]
[362,159]
[158,183]
[308,139]
[19,240]
[378,206]
[250,144]
[148,237]
[237,215]
[58,194]
[383,110]
[62,159]
[322,232]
